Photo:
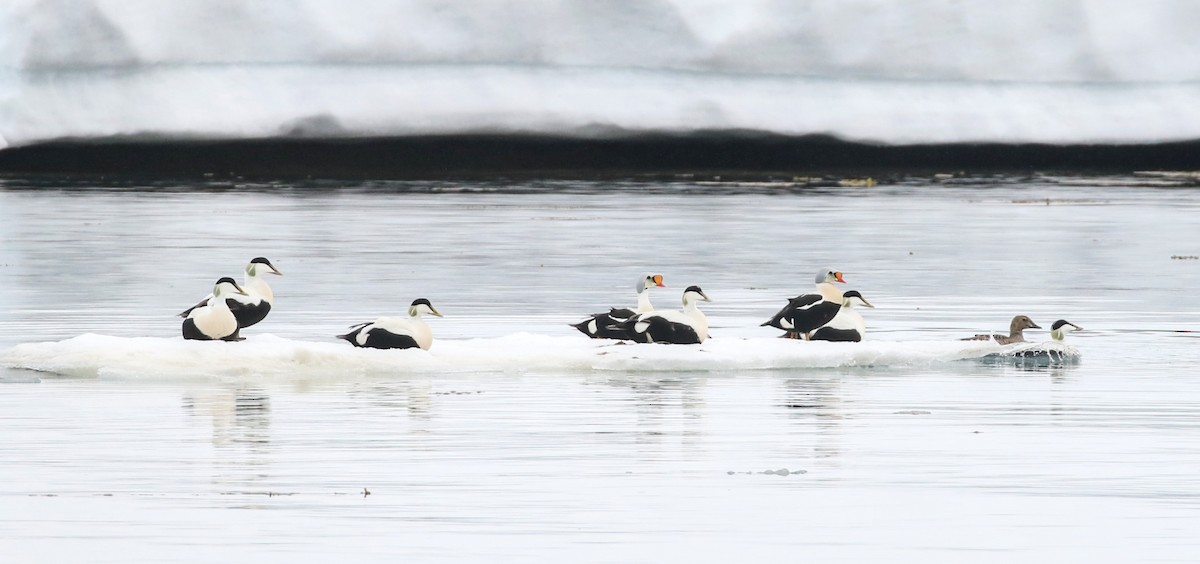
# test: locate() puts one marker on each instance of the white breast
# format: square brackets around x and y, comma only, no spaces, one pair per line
[214,320]
[848,318]
[257,290]
[414,327]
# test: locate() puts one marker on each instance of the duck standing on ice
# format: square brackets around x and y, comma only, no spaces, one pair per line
[805,313]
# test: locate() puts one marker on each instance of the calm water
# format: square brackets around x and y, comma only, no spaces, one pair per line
[937,463]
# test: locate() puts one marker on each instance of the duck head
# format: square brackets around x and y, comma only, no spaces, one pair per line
[422,306]
[259,266]
[694,294]
[829,276]
[650,281]
[226,287]
[854,298]
[1059,330]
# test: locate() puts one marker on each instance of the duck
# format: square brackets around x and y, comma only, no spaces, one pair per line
[807,312]
[1054,352]
[396,332]
[214,321]
[848,324]
[688,326]
[1060,328]
[597,326]
[254,305]
[1016,332]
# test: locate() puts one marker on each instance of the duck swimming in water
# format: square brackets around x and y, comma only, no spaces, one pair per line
[848,324]
[1059,330]
[254,305]
[214,321]
[597,326]
[1016,332]
[805,313]
[396,332]
[679,327]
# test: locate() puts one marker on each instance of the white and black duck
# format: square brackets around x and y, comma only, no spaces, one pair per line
[597,326]
[688,326]
[1059,330]
[396,332]
[808,312]
[848,324]
[214,321]
[255,304]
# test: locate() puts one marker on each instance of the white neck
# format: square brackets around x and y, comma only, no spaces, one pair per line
[257,286]
[219,303]
[644,301]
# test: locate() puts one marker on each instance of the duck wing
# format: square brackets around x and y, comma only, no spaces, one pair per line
[188,311]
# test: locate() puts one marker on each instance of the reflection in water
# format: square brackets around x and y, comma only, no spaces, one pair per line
[413,398]
[241,434]
[666,409]
[814,405]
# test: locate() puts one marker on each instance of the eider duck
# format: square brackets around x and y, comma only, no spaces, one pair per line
[1059,330]
[1015,332]
[214,321]
[686,327]
[1051,353]
[805,313]
[597,325]
[848,324]
[395,332]
[255,304]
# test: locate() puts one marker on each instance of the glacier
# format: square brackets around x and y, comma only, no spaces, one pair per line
[925,71]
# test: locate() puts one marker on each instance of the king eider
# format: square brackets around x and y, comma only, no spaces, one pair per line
[686,327]
[848,324]
[1016,332]
[255,304]
[597,326]
[805,313]
[395,332]
[214,321]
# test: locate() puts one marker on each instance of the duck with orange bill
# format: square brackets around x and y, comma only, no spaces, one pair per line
[597,326]
[806,313]
[688,326]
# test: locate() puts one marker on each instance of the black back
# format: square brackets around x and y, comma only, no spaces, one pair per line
[658,330]
[249,314]
[606,326]
[380,339]
[831,334]
[787,310]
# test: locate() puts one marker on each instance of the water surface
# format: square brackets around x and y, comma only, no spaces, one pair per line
[934,461]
